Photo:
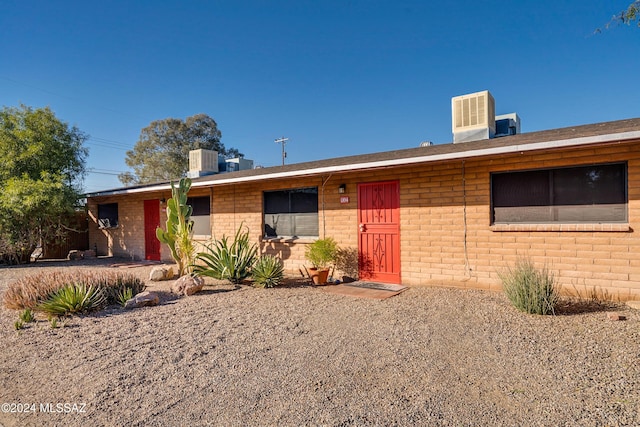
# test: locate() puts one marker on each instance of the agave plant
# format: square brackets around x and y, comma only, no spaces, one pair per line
[267,272]
[228,261]
[73,298]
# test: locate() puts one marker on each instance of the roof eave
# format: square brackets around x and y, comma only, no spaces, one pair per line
[457,155]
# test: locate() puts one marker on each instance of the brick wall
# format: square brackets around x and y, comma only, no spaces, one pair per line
[446,235]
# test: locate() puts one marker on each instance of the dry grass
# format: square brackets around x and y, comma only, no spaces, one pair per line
[29,291]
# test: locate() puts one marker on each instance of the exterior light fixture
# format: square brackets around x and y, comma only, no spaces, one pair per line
[342,188]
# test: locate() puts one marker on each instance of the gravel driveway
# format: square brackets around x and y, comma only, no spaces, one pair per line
[239,356]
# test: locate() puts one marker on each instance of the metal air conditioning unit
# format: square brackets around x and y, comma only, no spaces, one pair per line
[507,124]
[473,117]
[202,162]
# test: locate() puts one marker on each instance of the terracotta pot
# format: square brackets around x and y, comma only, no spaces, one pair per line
[319,276]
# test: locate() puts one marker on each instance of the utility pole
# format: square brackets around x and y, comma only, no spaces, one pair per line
[282,141]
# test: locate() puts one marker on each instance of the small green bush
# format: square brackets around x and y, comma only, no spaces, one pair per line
[53,321]
[18,324]
[226,261]
[74,298]
[267,272]
[322,252]
[530,289]
[27,315]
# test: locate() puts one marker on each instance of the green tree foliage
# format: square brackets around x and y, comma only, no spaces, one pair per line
[162,151]
[42,164]
[628,16]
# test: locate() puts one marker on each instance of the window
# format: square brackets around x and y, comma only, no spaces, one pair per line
[201,210]
[291,213]
[585,194]
[108,215]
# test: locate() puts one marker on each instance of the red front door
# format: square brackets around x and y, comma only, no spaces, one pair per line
[379,231]
[151,222]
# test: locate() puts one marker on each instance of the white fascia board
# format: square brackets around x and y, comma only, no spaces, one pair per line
[480,152]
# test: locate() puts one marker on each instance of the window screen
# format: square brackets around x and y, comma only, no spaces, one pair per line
[291,213]
[585,194]
[201,211]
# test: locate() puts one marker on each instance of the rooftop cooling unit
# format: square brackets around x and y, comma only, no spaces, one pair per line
[507,124]
[202,162]
[473,117]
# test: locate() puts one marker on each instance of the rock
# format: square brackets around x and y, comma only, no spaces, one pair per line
[90,253]
[187,285]
[615,316]
[634,304]
[75,254]
[161,273]
[143,299]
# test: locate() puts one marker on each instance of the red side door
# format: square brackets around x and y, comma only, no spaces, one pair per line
[379,231]
[151,222]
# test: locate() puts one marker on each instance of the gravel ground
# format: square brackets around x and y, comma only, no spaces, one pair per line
[298,356]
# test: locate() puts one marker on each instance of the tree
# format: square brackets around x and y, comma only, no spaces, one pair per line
[627,16]
[162,151]
[42,167]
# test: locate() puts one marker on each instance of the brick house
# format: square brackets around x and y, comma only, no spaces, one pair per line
[444,215]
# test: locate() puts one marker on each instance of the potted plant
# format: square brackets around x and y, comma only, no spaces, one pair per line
[321,254]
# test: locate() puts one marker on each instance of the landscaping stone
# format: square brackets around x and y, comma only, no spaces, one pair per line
[634,304]
[161,273]
[143,299]
[74,255]
[615,316]
[187,285]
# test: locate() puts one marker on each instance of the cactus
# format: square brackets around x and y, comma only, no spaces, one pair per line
[179,233]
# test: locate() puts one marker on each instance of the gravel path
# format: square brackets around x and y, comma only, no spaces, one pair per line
[298,356]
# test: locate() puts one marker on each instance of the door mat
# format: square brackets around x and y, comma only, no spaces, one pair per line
[365,290]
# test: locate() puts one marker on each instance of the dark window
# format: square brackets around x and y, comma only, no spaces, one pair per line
[585,194]
[108,215]
[291,213]
[200,215]
[200,205]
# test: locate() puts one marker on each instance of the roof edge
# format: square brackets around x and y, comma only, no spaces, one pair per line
[467,154]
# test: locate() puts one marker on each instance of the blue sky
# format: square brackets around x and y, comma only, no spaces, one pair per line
[336,77]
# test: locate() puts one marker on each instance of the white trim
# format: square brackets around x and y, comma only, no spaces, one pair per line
[587,140]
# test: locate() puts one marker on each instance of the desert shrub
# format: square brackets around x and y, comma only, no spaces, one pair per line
[267,272]
[530,289]
[75,298]
[116,284]
[229,261]
[32,290]
[18,324]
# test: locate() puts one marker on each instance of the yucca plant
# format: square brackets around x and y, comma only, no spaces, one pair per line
[74,298]
[228,261]
[124,295]
[530,289]
[267,272]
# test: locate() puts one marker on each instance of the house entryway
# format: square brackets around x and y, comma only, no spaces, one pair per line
[379,231]
[151,222]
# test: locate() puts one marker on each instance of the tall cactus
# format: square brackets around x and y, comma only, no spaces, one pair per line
[179,233]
